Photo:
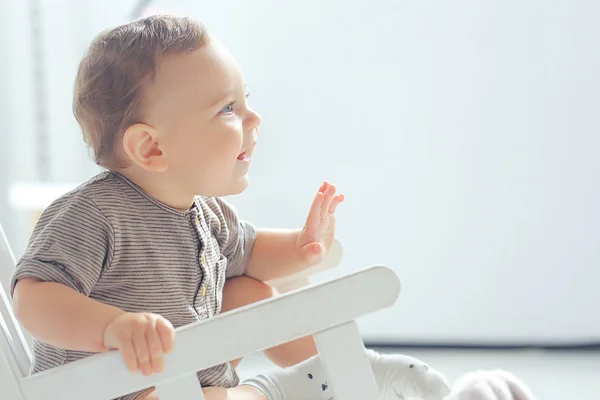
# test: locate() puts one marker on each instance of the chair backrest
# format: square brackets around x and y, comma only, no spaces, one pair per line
[7,263]
[13,344]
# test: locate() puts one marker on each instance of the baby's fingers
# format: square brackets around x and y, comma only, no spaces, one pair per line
[335,202]
[121,340]
[314,215]
[328,200]
[156,350]
[166,333]
[323,187]
[140,345]
[128,353]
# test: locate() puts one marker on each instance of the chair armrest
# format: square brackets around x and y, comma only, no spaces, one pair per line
[225,337]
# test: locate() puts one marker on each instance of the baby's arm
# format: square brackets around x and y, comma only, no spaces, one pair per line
[61,317]
[58,315]
[275,255]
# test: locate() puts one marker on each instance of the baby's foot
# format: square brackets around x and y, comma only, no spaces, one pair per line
[398,378]
[401,377]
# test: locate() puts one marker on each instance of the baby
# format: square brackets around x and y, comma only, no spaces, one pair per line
[149,245]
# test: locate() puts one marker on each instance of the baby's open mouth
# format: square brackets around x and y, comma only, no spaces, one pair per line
[243,157]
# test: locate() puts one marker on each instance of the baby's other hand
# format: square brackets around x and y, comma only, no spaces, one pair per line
[142,339]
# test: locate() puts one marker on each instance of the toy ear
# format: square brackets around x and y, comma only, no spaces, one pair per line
[518,389]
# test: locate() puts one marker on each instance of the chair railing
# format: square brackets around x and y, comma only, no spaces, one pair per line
[6,256]
[320,309]
[13,342]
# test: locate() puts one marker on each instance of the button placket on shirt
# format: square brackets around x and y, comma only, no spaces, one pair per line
[203,265]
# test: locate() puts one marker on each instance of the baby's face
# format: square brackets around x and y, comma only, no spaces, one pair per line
[208,131]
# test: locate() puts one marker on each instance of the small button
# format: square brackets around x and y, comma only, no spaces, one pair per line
[197,221]
[203,259]
[203,291]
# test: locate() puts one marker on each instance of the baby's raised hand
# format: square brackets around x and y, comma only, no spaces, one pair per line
[319,231]
[142,339]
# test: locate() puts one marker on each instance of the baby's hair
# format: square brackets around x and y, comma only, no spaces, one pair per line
[112,76]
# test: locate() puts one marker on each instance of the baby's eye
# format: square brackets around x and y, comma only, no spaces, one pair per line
[228,109]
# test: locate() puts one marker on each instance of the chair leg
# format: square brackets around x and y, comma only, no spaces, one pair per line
[345,363]
[9,378]
[185,387]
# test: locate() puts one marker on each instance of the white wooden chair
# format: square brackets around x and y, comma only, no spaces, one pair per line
[327,311]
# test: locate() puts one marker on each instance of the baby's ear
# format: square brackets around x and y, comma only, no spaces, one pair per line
[141,144]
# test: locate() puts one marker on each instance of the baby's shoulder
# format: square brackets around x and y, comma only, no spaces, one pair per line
[105,188]
[112,194]
[75,214]
[102,195]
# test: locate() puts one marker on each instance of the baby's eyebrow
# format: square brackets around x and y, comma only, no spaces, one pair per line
[221,98]
[225,95]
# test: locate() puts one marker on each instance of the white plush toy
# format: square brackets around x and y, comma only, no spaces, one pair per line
[490,385]
[416,380]
[419,381]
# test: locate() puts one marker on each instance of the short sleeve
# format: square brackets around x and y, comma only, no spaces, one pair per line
[236,239]
[71,244]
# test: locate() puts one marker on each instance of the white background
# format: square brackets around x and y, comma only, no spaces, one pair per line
[464,135]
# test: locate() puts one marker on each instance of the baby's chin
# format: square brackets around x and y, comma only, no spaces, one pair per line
[236,187]
[242,185]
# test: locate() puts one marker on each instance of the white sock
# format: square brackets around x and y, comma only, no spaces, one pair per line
[397,376]
[303,381]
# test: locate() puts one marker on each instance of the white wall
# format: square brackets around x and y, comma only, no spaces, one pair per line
[463,134]
[4,114]
[67,28]
[16,113]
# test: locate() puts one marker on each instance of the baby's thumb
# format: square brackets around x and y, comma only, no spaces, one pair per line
[313,252]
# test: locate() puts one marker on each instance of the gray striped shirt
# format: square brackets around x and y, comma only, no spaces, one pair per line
[109,240]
